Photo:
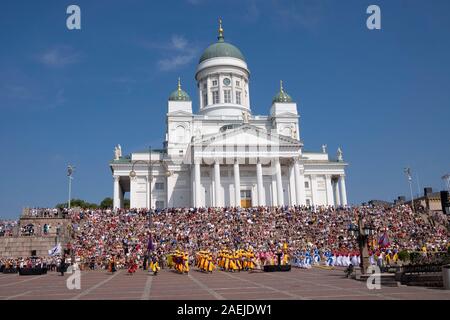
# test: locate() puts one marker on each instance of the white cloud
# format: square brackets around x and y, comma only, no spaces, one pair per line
[60,56]
[178,52]
[176,61]
[179,43]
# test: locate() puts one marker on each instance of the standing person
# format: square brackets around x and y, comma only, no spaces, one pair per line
[62,267]
[154,266]
[144,265]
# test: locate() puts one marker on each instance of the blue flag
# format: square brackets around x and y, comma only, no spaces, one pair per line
[150,246]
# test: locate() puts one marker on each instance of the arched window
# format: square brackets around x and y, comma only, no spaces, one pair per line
[179,134]
[287,131]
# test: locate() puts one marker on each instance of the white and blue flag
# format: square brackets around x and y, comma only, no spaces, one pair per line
[55,250]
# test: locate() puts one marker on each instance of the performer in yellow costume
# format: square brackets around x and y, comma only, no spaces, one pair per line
[170,263]
[237,260]
[226,260]
[249,260]
[286,258]
[185,262]
[181,260]
[154,265]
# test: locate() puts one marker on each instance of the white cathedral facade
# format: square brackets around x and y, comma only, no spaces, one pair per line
[226,156]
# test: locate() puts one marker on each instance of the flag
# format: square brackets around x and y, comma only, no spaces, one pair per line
[150,246]
[383,241]
[55,250]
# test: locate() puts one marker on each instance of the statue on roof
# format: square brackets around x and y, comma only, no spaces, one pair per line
[117,152]
[324,148]
[339,154]
[245,116]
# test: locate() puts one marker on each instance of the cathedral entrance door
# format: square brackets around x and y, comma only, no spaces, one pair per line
[246,198]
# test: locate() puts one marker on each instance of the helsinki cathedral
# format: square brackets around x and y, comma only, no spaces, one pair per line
[222,154]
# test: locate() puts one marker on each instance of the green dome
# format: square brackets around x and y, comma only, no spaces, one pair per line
[282,96]
[221,49]
[179,94]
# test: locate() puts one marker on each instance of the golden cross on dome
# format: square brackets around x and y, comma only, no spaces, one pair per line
[281,85]
[220,37]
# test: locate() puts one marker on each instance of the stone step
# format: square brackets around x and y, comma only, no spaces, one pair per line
[387,279]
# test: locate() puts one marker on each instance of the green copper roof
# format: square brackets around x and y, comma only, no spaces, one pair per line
[282,96]
[179,94]
[221,49]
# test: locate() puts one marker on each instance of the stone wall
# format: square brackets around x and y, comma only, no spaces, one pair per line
[22,246]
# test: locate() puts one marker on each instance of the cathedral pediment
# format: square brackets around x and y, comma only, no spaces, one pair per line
[247,135]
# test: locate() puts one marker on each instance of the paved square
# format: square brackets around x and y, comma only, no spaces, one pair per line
[298,284]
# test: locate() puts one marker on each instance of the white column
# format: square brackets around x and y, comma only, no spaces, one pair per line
[208,89]
[315,197]
[299,184]
[193,185]
[197,178]
[233,89]
[330,197]
[121,195]
[116,200]
[218,202]
[149,188]
[237,184]
[343,190]
[292,188]
[280,196]
[259,179]
[246,89]
[219,83]
[337,201]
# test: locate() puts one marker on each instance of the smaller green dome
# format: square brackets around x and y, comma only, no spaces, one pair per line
[179,94]
[282,96]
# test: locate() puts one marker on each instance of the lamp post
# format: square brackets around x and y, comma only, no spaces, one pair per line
[362,233]
[408,175]
[132,175]
[70,170]
[446,178]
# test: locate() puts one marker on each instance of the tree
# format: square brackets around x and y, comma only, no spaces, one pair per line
[77,203]
[106,203]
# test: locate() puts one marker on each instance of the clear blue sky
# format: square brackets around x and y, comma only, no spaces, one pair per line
[71,96]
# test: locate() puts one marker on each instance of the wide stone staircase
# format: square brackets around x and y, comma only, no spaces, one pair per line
[21,245]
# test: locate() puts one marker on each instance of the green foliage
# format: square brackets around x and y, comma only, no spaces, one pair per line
[106,203]
[77,203]
[126,203]
[403,255]
[415,257]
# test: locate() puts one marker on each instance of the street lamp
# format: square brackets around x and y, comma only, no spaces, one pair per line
[362,233]
[132,175]
[70,170]
[408,175]
[446,178]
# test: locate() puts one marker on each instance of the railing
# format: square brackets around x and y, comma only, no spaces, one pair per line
[425,268]
[421,258]
[41,213]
